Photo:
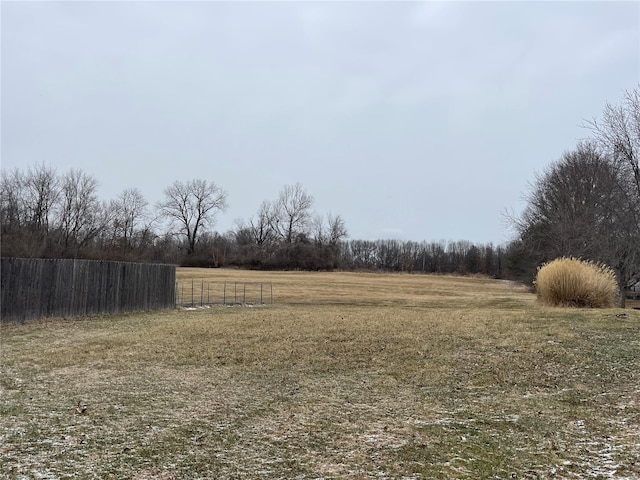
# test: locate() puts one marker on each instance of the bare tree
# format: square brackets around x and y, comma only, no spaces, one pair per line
[329,230]
[12,213]
[131,224]
[319,230]
[261,225]
[191,207]
[41,194]
[291,213]
[337,229]
[618,131]
[12,205]
[583,206]
[80,216]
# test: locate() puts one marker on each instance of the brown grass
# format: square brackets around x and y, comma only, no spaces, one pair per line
[345,376]
[576,283]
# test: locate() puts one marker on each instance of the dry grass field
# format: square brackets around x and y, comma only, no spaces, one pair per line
[346,375]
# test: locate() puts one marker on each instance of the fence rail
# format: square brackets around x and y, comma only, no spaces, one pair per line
[34,288]
[194,293]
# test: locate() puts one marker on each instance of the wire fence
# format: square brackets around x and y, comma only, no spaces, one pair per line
[194,293]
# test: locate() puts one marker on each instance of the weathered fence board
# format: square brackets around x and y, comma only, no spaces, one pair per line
[35,288]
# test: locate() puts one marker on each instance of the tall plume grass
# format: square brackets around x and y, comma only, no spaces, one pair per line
[577,283]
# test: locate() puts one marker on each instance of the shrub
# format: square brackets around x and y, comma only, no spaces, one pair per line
[577,283]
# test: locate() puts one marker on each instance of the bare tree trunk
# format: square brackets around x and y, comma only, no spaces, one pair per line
[622,285]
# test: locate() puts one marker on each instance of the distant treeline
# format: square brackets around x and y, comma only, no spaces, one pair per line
[44,214]
[460,257]
[234,249]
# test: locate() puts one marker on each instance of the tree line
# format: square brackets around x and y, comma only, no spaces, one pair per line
[49,215]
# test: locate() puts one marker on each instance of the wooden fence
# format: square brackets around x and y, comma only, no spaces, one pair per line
[34,288]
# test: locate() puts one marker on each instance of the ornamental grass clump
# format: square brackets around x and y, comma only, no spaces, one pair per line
[576,283]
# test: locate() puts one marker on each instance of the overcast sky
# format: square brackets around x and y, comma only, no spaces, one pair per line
[412,120]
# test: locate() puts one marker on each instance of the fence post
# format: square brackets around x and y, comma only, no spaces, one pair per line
[192,300]
[271,293]
[224,294]
[201,291]
[244,293]
[209,293]
[261,302]
[235,293]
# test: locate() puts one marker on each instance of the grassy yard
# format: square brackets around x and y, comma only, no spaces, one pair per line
[345,376]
